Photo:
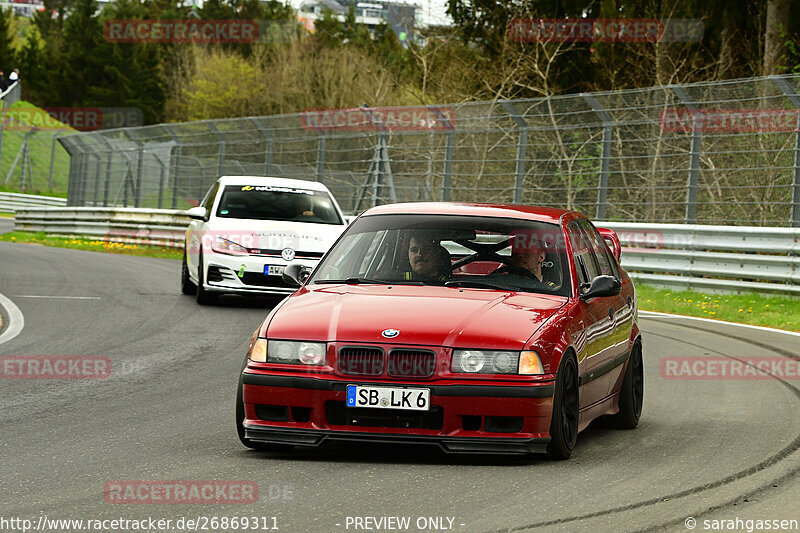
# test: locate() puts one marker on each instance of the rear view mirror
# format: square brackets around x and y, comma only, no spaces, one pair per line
[296,274]
[197,213]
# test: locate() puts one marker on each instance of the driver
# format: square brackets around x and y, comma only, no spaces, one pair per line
[526,261]
[427,259]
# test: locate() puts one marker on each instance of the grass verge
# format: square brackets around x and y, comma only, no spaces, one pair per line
[92,245]
[782,312]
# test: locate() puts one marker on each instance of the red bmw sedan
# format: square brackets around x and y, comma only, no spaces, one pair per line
[480,328]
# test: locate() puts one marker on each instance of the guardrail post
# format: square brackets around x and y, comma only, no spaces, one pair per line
[605,159]
[522,147]
[694,154]
[792,95]
[448,166]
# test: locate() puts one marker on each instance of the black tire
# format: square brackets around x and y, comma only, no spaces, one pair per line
[204,297]
[631,395]
[261,446]
[187,285]
[564,423]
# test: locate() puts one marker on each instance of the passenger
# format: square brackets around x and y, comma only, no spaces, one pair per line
[526,261]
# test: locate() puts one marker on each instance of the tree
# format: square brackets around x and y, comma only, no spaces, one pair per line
[775,35]
[81,66]
[8,59]
[131,71]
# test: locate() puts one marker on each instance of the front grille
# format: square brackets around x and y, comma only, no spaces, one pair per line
[277,253]
[256,278]
[360,361]
[411,363]
[340,415]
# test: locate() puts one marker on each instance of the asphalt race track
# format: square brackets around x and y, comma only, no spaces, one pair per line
[712,450]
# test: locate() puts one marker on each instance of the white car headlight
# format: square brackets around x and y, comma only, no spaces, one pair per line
[484,362]
[296,352]
[224,246]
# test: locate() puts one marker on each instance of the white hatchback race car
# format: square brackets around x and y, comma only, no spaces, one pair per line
[248,228]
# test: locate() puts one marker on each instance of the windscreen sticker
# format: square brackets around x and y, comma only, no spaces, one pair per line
[272,188]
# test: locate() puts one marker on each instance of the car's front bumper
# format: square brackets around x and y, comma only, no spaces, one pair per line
[464,417]
[244,274]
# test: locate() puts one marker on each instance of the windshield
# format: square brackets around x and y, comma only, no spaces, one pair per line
[457,251]
[277,203]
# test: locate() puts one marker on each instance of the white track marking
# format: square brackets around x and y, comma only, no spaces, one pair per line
[15,320]
[762,328]
[58,297]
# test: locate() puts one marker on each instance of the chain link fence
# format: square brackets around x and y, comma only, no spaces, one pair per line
[707,153]
[30,157]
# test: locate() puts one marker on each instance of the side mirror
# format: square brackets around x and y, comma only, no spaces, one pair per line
[198,213]
[296,274]
[612,239]
[602,286]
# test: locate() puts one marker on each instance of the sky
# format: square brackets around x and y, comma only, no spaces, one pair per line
[433,11]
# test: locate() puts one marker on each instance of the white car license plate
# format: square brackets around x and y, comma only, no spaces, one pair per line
[274,270]
[388,398]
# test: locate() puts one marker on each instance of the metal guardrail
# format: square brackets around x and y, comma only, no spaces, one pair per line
[160,227]
[11,201]
[712,257]
[674,255]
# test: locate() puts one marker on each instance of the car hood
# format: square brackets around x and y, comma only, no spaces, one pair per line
[430,316]
[277,234]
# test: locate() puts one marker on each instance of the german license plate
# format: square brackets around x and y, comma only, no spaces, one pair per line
[388,398]
[273,270]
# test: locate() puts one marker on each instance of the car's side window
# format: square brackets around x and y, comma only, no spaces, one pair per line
[605,260]
[208,201]
[582,250]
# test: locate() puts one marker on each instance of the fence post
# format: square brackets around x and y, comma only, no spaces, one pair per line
[522,148]
[792,95]
[221,149]
[269,148]
[174,163]
[52,158]
[320,157]
[605,159]
[448,166]
[694,154]
[2,129]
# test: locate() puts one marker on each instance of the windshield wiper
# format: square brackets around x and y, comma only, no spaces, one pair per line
[480,285]
[353,281]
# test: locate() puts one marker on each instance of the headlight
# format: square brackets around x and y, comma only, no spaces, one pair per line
[296,352]
[224,246]
[484,362]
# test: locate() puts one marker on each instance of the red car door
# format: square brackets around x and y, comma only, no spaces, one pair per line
[596,319]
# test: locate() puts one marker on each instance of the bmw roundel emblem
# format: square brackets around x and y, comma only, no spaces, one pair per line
[390,333]
[287,254]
